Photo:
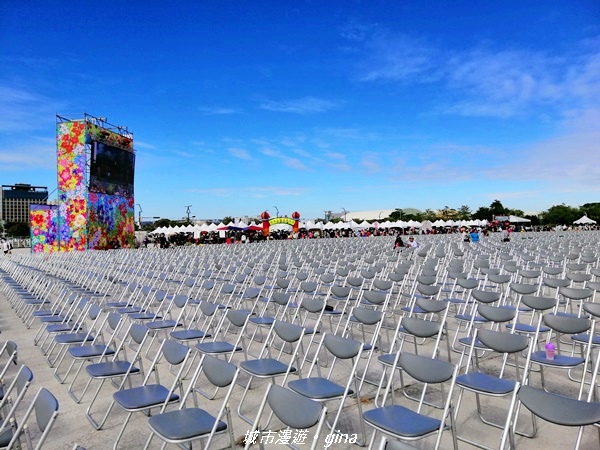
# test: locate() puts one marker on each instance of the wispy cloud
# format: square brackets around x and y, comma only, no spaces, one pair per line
[293,163]
[568,159]
[36,156]
[218,110]
[398,58]
[239,153]
[483,80]
[304,105]
[24,109]
[141,144]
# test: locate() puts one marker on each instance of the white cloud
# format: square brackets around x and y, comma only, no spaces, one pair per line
[25,110]
[305,105]
[219,111]
[482,80]
[141,144]
[37,156]
[398,58]
[239,153]
[293,163]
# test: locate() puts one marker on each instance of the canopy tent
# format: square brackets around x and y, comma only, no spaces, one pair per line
[516,219]
[585,220]
[426,225]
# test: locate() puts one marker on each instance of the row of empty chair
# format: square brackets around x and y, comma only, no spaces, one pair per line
[350,320]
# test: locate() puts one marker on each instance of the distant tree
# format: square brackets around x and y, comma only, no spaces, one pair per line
[561,215]
[227,220]
[482,213]
[163,223]
[429,214]
[17,229]
[498,209]
[592,210]
[516,212]
[535,219]
[447,213]
[464,213]
[397,214]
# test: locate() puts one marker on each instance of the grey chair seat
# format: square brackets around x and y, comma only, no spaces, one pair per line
[110,369]
[89,351]
[558,361]
[318,388]
[144,316]
[217,347]
[130,310]
[265,321]
[35,301]
[468,317]
[184,424]
[188,335]
[415,310]
[482,382]
[559,410]
[44,312]
[466,341]
[52,319]
[526,328]
[585,338]
[265,367]
[62,327]
[143,397]
[159,324]
[117,305]
[387,359]
[401,421]
[73,338]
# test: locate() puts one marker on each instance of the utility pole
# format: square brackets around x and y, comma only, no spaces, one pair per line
[188,212]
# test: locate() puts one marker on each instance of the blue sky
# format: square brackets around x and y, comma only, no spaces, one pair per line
[239,106]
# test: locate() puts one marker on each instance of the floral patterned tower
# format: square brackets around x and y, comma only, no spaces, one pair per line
[97,215]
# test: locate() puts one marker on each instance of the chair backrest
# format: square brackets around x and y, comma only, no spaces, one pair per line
[20,383]
[45,405]
[294,410]
[10,347]
[218,371]
[174,352]
[424,369]
[288,332]
[503,342]
[340,347]
[567,324]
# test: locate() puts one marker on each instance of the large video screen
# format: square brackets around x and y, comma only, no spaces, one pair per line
[111,170]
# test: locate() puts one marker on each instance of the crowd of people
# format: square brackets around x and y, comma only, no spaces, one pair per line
[405,237]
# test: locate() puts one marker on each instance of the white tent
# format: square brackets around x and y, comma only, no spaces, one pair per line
[516,219]
[426,225]
[585,220]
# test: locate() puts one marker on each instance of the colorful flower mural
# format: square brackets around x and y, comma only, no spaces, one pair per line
[96,133]
[110,221]
[82,219]
[44,228]
[72,189]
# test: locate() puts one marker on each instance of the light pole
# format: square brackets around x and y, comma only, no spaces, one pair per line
[345,212]
[380,214]
[276,209]
[140,216]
